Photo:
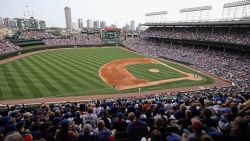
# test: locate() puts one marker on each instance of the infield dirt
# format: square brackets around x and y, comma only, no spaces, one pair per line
[115,74]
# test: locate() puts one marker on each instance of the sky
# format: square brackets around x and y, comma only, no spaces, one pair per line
[119,12]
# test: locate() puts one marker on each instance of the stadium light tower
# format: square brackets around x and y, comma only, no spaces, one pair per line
[26,12]
[195,13]
[236,10]
[156,17]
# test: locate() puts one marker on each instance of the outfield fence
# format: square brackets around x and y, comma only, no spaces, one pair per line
[16,53]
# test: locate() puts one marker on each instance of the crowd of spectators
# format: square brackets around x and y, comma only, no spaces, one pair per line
[35,34]
[6,47]
[216,114]
[224,35]
[227,65]
[78,39]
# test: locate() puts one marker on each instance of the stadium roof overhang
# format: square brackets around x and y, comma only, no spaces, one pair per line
[205,23]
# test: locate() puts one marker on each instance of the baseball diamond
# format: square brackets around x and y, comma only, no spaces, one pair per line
[80,71]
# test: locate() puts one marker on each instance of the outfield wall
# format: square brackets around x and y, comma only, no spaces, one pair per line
[16,53]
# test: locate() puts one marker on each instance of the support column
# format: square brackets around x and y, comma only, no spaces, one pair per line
[243,11]
[208,48]
[229,30]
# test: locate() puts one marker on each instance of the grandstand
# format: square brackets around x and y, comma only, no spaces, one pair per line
[225,34]
[176,81]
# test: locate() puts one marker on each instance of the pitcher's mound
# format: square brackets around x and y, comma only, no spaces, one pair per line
[154,70]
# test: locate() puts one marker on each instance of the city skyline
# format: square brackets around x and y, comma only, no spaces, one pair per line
[110,10]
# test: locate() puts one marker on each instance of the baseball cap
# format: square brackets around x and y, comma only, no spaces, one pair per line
[196,124]
[28,114]
[224,124]
[65,123]
[225,110]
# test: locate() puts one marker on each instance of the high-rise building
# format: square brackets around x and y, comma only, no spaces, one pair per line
[126,28]
[68,18]
[89,23]
[96,24]
[113,26]
[6,22]
[12,23]
[42,24]
[102,24]
[132,26]
[28,23]
[1,22]
[34,24]
[80,23]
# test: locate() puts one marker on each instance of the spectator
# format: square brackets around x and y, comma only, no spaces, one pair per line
[137,129]
[101,133]
[119,124]
[223,131]
[197,131]
[106,119]
[65,133]
[14,137]
[87,134]
[90,118]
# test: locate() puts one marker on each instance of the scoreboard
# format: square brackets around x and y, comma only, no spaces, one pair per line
[110,36]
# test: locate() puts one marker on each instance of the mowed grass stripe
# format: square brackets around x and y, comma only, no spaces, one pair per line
[19,79]
[45,81]
[32,75]
[73,70]
[55,73]
[15,91]
[87,62]
[3,83]
[79,68]
[88,58]
[40,81]
[2,78]
[29,83]
[90,67]
[105,56]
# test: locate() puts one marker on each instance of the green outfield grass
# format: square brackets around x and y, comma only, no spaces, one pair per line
[70,72]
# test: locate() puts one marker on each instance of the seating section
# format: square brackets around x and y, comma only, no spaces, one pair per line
[203,114]
[222,35]
[79,39]
[7,47]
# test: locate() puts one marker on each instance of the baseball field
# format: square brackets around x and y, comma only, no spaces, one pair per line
[91,71]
